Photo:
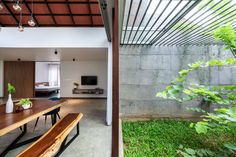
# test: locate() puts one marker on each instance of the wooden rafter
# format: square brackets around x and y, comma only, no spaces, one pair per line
[59,25]
[50,11]
[27,6]
[40,14]
[9,10]
[49,18]
[53,2]
[71,16]
[90,12]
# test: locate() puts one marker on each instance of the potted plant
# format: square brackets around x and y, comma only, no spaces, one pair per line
[25,103]
[9,106]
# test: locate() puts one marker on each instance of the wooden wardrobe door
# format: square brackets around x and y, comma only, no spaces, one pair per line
[22,75]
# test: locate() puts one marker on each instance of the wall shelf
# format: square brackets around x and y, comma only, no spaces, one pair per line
[96,91]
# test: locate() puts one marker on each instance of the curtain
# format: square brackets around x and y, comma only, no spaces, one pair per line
[54,75]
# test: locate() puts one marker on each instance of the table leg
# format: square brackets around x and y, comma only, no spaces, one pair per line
[10,147]
[54,118]
[15,144]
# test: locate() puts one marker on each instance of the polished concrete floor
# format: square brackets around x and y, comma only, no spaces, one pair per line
[95,136]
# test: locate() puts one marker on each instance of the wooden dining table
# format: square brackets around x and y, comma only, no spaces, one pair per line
[12,121]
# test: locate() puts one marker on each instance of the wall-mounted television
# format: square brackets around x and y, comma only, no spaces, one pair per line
[89,80]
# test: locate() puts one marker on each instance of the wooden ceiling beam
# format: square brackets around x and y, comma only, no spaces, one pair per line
[52,2]
[27,6]
[69,9]
[8,14]
[11,13]
[90,11]
[104,12]
[50,11]
[57,25]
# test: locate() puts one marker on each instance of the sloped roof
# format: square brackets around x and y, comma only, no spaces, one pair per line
[53,13]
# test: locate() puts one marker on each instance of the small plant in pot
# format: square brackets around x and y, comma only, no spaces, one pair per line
[25,103]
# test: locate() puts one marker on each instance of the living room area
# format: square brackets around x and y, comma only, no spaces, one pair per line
[83,76]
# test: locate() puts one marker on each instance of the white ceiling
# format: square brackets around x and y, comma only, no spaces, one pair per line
[47,54]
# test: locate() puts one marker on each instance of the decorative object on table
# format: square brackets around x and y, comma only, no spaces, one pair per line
[76,85]
[25,103]
[9,106]
[19,109]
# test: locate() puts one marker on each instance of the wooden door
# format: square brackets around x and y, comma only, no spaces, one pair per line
[22,75]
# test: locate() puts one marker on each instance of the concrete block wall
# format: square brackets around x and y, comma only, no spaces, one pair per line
[144,71]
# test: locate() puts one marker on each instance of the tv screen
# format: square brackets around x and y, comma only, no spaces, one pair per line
[88,80]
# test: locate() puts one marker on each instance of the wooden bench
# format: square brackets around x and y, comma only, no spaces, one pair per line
[53,142]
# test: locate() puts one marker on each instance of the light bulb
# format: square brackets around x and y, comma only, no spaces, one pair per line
[20,28]
[17,7]
[31,22]
[1,7]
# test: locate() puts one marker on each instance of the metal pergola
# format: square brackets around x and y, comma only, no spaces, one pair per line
[174,22]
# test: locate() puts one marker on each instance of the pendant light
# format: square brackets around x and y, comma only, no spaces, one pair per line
[17,6]
[1,6]
[20,27]
[31,21]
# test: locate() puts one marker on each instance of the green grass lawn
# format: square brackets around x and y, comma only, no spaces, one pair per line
[162,138]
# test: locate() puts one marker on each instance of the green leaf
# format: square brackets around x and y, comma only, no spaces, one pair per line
[190,151]
[11,89]
[191,125]
[201,129]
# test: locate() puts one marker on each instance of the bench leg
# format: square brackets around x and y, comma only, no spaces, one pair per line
[11,146]
[64,145]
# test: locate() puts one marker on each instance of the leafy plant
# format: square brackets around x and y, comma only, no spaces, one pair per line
[227,151]
[24,102]
[10,88]
[223,96]
[227,34]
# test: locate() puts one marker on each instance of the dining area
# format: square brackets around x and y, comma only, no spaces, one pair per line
[50,143]
[52,126]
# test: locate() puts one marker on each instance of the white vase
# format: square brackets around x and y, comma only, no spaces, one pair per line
[9,105]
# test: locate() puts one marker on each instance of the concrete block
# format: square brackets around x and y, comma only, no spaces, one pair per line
[156,50]
[225,75]
[144,71]
[155,62]
[214,75]
[179,62]
[130,50]
[140,92]
[139,77]
[129,62]
[152,108]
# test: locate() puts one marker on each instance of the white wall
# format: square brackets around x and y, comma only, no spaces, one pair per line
[41,71]
[1,79]
[53,38]
[109,85]
[72,71]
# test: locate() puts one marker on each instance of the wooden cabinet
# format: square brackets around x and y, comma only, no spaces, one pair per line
[22,75]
